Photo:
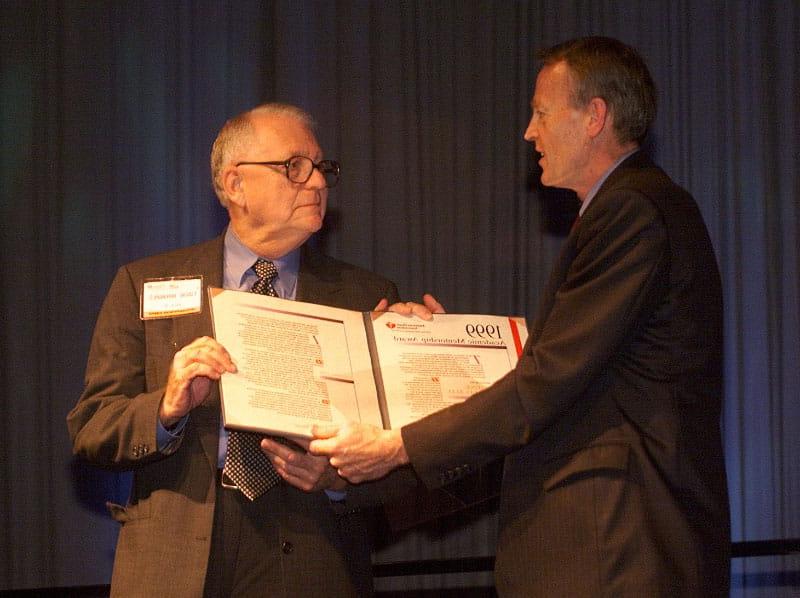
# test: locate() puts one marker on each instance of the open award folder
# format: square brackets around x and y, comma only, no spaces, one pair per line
[301,364]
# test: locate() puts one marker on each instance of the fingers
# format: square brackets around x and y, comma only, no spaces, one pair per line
[323,432]
[400,308]
[294,464]
[301,442]
[326,439]
[300,469]
[205,351]
[421,311]
[191,372]
[408,308]
[424,310]
[383,304]
[323,446]
[432,304]
[361,452]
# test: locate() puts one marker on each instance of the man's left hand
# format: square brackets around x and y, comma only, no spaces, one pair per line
[302,470]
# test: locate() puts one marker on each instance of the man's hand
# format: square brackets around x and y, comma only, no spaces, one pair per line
[300,469]
[425,310]
[194,368]
[359,452]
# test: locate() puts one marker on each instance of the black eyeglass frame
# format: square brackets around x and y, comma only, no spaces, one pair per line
[324,166]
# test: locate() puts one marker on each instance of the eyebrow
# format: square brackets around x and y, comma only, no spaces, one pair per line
[315,157]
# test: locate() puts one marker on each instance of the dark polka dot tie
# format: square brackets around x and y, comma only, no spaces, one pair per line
[245,463]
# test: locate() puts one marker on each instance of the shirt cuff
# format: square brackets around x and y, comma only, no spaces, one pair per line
[336,495]
[167,440]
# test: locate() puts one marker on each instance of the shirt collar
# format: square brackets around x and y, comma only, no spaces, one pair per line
[596,187]
[238,262]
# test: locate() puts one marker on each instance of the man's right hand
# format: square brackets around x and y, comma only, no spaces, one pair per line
[194,369]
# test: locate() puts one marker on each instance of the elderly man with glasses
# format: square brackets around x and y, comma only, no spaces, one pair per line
[151,401]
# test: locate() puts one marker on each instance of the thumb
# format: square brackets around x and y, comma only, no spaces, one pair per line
[320,431]
[323,443]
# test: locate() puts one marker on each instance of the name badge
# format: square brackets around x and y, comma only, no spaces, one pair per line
[171,297]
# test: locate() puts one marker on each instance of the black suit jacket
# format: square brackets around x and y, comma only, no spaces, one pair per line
[614,483]
[165,537]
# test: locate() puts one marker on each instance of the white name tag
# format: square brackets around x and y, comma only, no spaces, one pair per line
[170,297]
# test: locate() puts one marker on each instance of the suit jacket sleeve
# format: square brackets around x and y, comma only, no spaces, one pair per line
[106,426]
[609,269]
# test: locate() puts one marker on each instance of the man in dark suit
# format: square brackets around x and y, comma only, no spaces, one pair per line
[151,402]
[614,480]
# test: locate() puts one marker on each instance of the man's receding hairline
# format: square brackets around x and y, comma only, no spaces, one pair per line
[279,110]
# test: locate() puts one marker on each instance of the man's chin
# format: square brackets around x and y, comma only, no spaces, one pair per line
[311,225]
[316,224]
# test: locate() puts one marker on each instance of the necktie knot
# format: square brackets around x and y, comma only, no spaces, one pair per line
[267,273]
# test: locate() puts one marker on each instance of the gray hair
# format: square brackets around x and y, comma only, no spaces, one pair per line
[238,132]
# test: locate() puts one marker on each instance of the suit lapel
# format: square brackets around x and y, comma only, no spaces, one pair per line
[557,277]
[569,250]
[208,263]
[317,283]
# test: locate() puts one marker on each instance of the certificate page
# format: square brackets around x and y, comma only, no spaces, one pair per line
[299,364]
[426,366]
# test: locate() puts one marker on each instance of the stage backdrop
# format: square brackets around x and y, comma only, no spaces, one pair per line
[107,114]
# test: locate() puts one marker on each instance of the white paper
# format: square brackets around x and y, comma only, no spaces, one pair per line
[429,365]
[296,364]
[301,364]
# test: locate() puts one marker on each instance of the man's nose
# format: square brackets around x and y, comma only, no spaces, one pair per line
[530,132]
[316,180]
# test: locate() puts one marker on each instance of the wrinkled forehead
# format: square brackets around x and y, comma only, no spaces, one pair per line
[286,136]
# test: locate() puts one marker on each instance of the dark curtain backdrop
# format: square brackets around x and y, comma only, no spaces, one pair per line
[107,114]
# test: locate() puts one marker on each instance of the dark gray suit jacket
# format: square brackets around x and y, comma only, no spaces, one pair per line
[164,541]
[614,481]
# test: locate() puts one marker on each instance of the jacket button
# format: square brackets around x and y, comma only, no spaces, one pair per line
[287,548]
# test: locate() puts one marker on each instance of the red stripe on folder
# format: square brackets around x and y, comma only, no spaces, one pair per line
[515,334]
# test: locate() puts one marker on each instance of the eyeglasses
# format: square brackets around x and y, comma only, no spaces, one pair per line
[299,169]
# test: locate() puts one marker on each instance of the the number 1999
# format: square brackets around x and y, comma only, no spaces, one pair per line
[489,331]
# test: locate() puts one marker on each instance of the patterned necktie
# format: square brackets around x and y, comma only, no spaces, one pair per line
[245,462]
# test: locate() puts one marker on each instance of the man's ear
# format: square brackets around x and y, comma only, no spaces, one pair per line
[233,185]
[599,116]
